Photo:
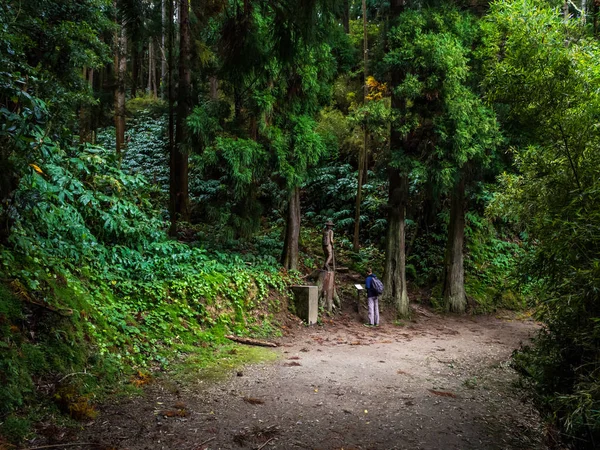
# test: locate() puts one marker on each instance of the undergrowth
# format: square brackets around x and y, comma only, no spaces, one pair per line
[93,291]
[492,261]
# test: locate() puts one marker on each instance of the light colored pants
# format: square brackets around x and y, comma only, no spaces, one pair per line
[373,303]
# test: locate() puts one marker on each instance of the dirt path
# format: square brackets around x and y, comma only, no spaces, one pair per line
[436,383]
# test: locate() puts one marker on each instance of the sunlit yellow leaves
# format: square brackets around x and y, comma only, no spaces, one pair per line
[140,379]
[36,168]
[376,89]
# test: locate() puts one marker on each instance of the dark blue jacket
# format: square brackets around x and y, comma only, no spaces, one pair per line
[369,285]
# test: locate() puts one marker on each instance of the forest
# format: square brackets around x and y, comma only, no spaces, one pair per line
[167,167]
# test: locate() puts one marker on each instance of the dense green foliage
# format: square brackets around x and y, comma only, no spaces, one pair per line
[547,79]
[86,240]
[91,286]
[496,105]
[445,123]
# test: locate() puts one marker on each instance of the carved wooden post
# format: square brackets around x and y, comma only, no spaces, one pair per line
[328,296]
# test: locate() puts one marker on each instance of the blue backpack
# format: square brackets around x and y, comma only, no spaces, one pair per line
[376,285]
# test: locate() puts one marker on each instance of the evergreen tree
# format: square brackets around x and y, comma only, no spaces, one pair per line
[396,291]
[446,128]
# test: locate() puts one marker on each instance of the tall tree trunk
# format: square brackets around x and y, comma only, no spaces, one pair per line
[366,158]
[85,113]
[214,88]
[362,152]
[346,16]
[120,67]
[289,257]
[154,77]
[95,83]
[361,155]
[395,289]
[163,51]
[149,83]
[171,125]
[134,69]
[394,279]
[595,21]
[152,70]
[454,271]
[179,161]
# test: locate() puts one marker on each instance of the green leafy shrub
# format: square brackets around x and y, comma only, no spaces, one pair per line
[146,104]
[147,148]
[492,261]
[332,194]
[15,428]
[88,249]
[554,195]
[492,264]
[427,256]
[231,193]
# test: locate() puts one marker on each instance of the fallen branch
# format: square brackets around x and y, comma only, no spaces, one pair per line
[442,393]
[66,312]
[444,361]
[207,441]
[75,373]
[265,444]
[249,341]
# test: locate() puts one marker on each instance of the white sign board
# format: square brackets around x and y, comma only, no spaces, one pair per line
[359,287]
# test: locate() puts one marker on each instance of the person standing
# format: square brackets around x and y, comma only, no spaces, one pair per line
[372,299]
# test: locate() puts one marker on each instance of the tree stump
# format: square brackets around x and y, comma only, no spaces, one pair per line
[328,297]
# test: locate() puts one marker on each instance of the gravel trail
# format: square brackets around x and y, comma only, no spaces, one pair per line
[438,382]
